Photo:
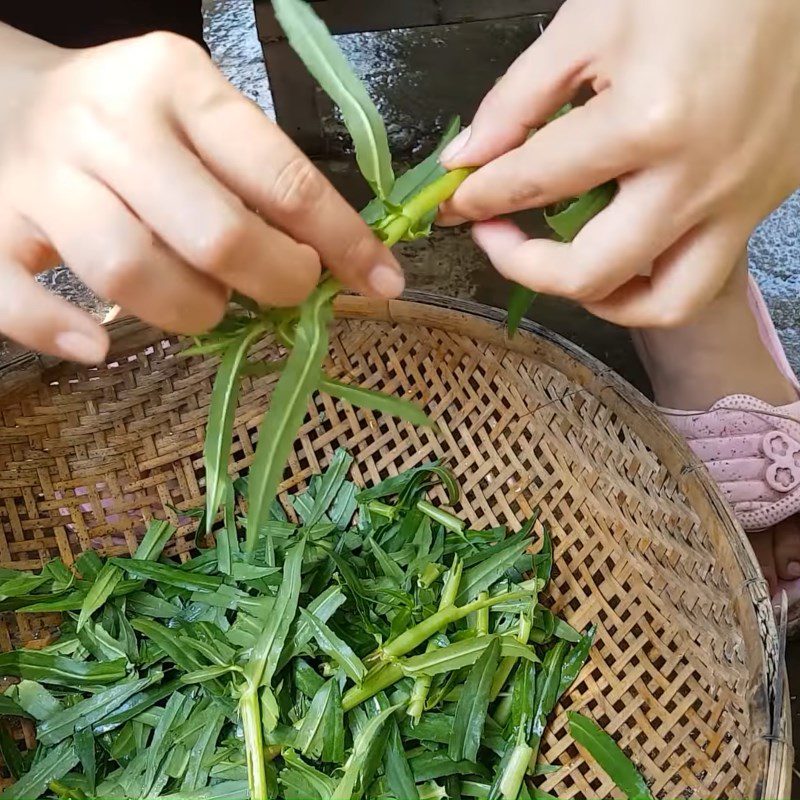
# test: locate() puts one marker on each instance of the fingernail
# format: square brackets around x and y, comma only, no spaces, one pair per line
[456,146]
[386,280]
[82,347]
[793,569]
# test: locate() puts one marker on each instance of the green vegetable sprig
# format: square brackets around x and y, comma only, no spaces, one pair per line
[353,653]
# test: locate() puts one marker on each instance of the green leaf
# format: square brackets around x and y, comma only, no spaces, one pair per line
[317,781]
[159,532]
[353,767]
[208,673]
[56,763]
[85,750]
[543,560]
[45,668]
[221,415]
[12,758]
[198,770]
[335,648]
[145,604]
[432,765]
[323,608]
[546,694]
[166,639]
[269,645]
[329,486]
[462,654]
[100,644]
[399,775]
[288,407]
[22,584]
[8,708]
[225,790]
[567,223]
[166,575]
[575,659]
[473,705]
[488,571]
[107,580]
[519,302]
[605,751]
[88,564]
[34,699]
[413,180]
[312,41]
[396,484]
[227,538]
[136,705]
[89,711]
[322,724]
[175,712]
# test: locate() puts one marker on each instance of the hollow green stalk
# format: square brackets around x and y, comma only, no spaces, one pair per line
[378,679]
[412,638]
[422,685]
[422,204]
[482,616]
[250,713]
[507,664]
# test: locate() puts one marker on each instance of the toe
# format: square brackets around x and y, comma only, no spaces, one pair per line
[786,545]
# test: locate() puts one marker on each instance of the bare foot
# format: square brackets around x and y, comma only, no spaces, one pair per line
[722,354]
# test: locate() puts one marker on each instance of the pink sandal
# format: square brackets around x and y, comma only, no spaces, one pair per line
[752,449]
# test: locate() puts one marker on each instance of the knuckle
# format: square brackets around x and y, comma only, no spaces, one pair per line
[119,274]
[298,187]
[218,250]
[526,194]
[580,285]
[659,125]
[160,47]
[672,313]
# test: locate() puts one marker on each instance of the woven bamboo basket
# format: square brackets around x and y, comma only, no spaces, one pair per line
[686,670]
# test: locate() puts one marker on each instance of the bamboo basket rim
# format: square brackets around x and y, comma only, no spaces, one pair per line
[770,707]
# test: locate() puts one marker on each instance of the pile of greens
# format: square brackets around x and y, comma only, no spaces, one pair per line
[376,648]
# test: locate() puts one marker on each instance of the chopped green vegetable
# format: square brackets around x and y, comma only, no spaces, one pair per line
[607,753]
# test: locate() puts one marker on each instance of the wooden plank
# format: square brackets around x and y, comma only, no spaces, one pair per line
[294,91]
[455,11]
[358,16]
[294,94]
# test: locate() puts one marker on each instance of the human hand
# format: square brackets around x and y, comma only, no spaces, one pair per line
[696,113]
[162,188]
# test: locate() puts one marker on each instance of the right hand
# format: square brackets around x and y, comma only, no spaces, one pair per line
[163,189]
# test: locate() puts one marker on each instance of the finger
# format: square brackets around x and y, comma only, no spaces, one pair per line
[684,280]
[545,77]
[38,320]
[259,163]
[576,152]
[205,223]
[621,242]
[111,251]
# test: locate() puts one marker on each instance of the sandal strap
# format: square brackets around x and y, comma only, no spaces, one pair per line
[752,450]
